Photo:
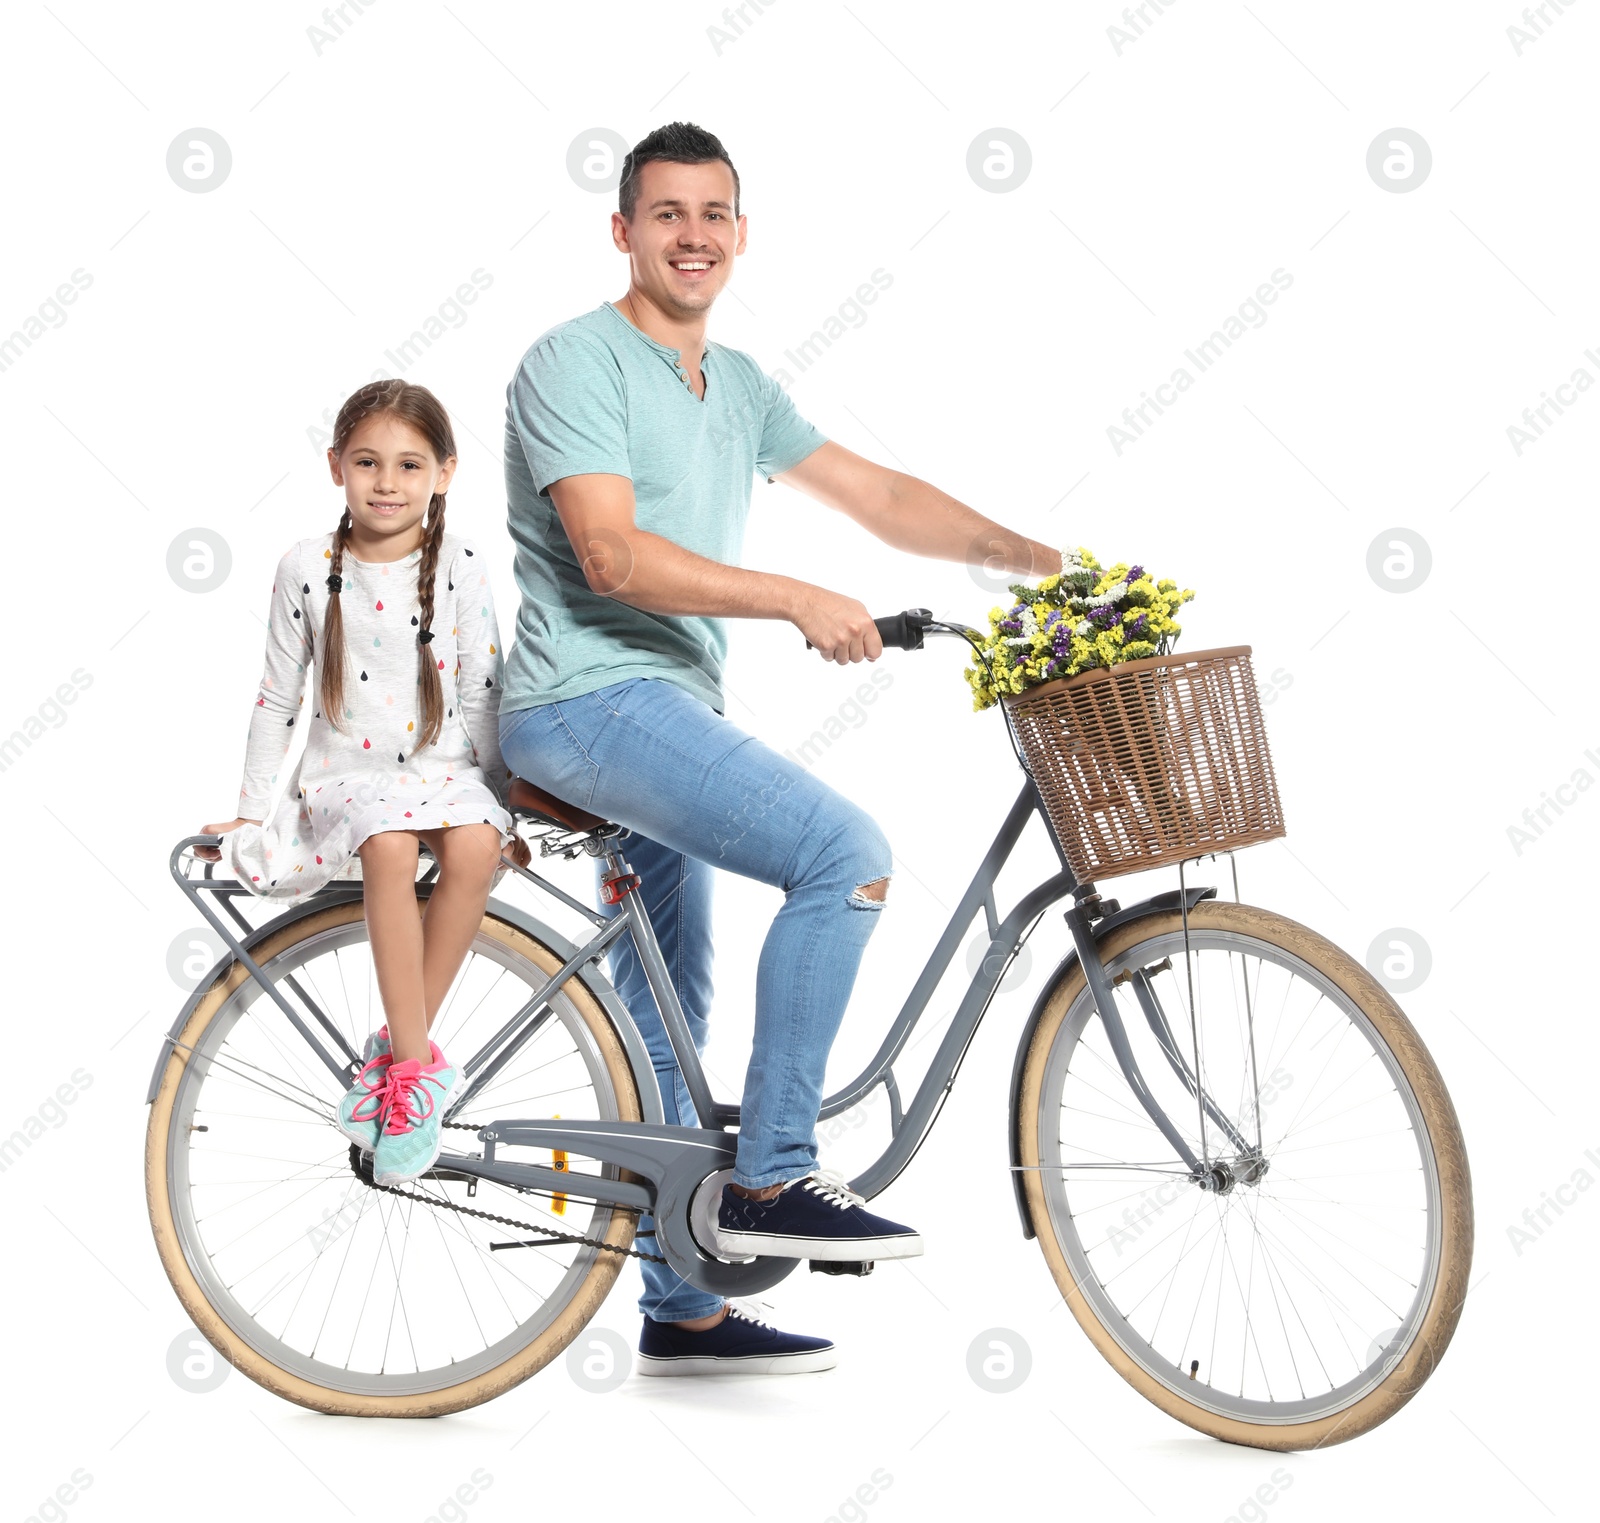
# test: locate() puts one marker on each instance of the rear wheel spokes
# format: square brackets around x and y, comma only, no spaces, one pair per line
[1283,1289]
[323,1274]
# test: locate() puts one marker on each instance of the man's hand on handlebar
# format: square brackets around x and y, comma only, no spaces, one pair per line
[840,628]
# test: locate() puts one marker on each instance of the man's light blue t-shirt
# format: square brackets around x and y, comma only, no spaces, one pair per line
[596,394]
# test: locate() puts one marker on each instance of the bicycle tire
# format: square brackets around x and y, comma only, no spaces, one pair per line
[178,1255]
[1058,1237]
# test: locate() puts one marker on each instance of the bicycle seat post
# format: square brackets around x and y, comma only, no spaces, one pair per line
[619,878]
[616,884]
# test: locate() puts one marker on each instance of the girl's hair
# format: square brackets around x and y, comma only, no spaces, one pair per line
[417,406]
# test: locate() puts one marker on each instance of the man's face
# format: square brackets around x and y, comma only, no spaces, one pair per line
[683,219]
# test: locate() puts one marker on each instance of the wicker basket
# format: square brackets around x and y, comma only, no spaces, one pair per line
[1150,762]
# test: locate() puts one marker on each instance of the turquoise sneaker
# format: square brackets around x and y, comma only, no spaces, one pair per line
[413,1106]
[362,1128]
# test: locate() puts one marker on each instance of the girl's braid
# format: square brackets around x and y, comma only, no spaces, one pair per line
[428,675]
[333,639]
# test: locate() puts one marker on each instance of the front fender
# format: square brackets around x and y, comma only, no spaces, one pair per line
[644,1074]
[1157,904]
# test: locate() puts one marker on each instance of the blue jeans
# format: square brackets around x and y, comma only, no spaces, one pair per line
[699,793]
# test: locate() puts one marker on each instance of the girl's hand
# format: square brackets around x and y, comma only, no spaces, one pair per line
[518,852]
[212,853]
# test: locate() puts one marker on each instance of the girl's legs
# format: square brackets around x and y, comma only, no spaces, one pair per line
[469,857]
[417,957]
[388,890]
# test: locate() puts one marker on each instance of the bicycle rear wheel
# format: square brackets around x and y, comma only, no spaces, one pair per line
[1307,1294]
[339,1296]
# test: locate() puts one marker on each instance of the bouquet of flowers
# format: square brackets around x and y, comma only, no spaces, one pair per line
[1081,617]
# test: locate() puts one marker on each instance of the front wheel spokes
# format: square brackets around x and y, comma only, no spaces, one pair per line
[1284,1286]
[1156,1019]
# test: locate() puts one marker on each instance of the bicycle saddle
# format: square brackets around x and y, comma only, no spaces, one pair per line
[527,798]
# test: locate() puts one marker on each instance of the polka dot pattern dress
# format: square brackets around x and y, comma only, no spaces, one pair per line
[369,774]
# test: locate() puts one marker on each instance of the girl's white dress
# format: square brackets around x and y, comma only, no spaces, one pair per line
[370,775]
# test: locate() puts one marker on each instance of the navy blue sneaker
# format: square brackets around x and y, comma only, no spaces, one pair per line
[742,1343]
[818,1217]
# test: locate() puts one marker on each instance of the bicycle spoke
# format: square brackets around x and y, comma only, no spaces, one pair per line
[1272,1275]
[383,1287]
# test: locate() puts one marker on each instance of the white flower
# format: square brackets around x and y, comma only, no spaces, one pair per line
[1030,627]
[1114,594]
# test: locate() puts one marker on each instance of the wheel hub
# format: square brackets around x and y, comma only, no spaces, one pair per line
[1247,1169]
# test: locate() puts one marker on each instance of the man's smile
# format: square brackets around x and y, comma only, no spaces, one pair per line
[692,268]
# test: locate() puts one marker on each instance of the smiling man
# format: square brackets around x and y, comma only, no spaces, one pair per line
[632,441]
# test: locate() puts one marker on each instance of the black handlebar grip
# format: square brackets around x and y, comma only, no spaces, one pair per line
[902,631]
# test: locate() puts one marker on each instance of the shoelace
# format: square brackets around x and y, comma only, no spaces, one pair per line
[744,1308]
[400,1110]
[375,1085]
[831,1185]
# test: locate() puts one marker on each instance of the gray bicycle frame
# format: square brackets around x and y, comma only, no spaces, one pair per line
[673,1160]
[910,1124]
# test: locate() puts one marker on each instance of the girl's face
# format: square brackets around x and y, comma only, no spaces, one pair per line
[389,475]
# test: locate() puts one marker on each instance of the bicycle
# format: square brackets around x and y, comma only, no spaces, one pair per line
[1256,1276]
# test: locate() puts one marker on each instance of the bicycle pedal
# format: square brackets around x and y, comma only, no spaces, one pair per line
[842,1266]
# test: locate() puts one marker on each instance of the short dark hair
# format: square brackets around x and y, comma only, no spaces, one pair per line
[676,143]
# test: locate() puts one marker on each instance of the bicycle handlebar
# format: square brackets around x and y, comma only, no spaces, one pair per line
[903,631]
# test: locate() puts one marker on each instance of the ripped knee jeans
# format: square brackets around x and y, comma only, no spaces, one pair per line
[698,792]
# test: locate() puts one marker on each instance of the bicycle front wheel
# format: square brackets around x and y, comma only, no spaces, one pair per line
[1306,1291]
[333,1293]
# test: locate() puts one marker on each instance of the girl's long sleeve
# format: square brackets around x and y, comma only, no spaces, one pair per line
[282,691]
[480,667]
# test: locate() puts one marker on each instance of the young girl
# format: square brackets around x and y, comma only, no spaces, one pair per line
[393,617]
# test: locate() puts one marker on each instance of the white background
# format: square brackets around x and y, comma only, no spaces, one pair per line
[1168,180]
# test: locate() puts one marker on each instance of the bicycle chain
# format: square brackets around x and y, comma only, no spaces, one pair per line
[506,1221]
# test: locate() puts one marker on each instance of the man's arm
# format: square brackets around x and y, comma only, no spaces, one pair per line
[621,560]
[914,515]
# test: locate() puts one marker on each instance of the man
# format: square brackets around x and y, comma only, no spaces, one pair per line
[631,442]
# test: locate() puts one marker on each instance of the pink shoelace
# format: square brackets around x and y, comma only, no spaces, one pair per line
[377,1085]
[400,1095]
